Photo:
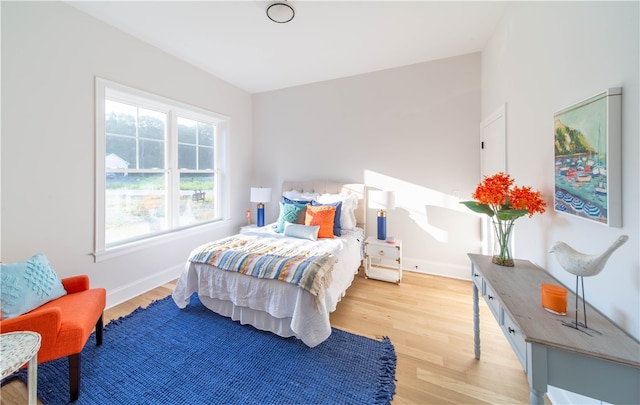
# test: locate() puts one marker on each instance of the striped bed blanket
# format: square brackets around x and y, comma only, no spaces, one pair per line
[308,270]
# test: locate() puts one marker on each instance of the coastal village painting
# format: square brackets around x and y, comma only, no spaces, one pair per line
[583,159]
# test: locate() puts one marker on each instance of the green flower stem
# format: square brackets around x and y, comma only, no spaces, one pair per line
[503,229]
[503,217]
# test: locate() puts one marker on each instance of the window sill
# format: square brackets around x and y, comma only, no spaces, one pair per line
[136,246]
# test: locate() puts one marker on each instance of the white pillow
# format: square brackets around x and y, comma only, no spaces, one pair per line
[301,231]
[348,211]
[298,196]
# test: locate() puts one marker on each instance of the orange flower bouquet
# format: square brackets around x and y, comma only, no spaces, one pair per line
[497,197]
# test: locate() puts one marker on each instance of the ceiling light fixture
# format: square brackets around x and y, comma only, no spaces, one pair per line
[280,12]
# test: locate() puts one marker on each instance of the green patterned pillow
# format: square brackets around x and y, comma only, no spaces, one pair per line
[293,213]
[26,285]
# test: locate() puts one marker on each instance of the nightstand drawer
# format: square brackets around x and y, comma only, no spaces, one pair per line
[384,252]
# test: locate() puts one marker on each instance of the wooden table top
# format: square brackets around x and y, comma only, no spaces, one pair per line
[518,289]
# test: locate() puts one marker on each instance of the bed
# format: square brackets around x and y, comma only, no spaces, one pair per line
[294,308]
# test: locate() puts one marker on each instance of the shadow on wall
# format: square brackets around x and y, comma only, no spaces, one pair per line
[443,226]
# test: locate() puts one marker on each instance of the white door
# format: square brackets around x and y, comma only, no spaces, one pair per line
[493,159]
[493,131]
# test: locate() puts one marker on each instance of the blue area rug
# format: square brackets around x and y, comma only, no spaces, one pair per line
[164,355]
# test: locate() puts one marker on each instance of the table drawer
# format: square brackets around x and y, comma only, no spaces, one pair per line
[492,301]
[477,280]
[515,338]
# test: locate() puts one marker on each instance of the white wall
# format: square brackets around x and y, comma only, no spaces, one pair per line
[542,58]
[51,53]
[413,129]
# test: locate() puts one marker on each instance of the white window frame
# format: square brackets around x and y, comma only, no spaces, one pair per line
[173,109]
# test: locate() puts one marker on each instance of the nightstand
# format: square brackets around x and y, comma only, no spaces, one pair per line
[382,260]
[248,228]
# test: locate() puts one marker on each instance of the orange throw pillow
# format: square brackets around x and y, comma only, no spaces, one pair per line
[322,215]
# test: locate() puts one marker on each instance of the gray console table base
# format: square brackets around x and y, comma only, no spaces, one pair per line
[604,366]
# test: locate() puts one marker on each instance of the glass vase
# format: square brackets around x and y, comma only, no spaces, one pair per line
[502,243]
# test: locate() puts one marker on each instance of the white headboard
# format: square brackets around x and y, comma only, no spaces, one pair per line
[333,187]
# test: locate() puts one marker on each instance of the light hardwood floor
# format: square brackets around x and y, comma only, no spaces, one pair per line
[429,321]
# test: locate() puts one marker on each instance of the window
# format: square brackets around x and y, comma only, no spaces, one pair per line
[158,167]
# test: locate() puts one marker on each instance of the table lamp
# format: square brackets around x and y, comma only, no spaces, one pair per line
[260,195]
[382,201]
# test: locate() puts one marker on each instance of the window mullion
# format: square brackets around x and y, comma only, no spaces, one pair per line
[173,175]
[217,175]
[138,138]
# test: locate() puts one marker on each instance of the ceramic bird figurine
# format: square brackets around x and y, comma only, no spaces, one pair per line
[583,265]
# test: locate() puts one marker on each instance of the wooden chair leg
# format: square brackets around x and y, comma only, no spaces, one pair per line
[74,376]
[99,326]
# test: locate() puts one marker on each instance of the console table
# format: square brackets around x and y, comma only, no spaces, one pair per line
[605,367]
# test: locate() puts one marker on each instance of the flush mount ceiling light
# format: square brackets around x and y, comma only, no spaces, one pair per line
[280,12]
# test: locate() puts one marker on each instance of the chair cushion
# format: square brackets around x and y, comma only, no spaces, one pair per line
[79,313]
[28,284]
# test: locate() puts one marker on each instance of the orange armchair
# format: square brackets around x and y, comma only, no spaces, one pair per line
[65,325]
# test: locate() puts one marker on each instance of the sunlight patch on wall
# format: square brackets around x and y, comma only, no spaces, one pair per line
[415,200]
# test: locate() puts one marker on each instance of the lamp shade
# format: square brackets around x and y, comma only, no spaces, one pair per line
[280,12]
[381,200]
[260,194]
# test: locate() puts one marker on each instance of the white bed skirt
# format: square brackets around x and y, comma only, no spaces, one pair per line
[258,319]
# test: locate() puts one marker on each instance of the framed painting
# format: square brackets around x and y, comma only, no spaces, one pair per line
[588,159]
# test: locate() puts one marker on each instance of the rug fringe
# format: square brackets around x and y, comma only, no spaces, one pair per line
[119,320]
[386,380]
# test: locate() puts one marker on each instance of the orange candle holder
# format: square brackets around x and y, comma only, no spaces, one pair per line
[554,298]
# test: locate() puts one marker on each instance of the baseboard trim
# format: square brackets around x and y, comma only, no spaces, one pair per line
[131,290]
[558,396]
[437,268]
